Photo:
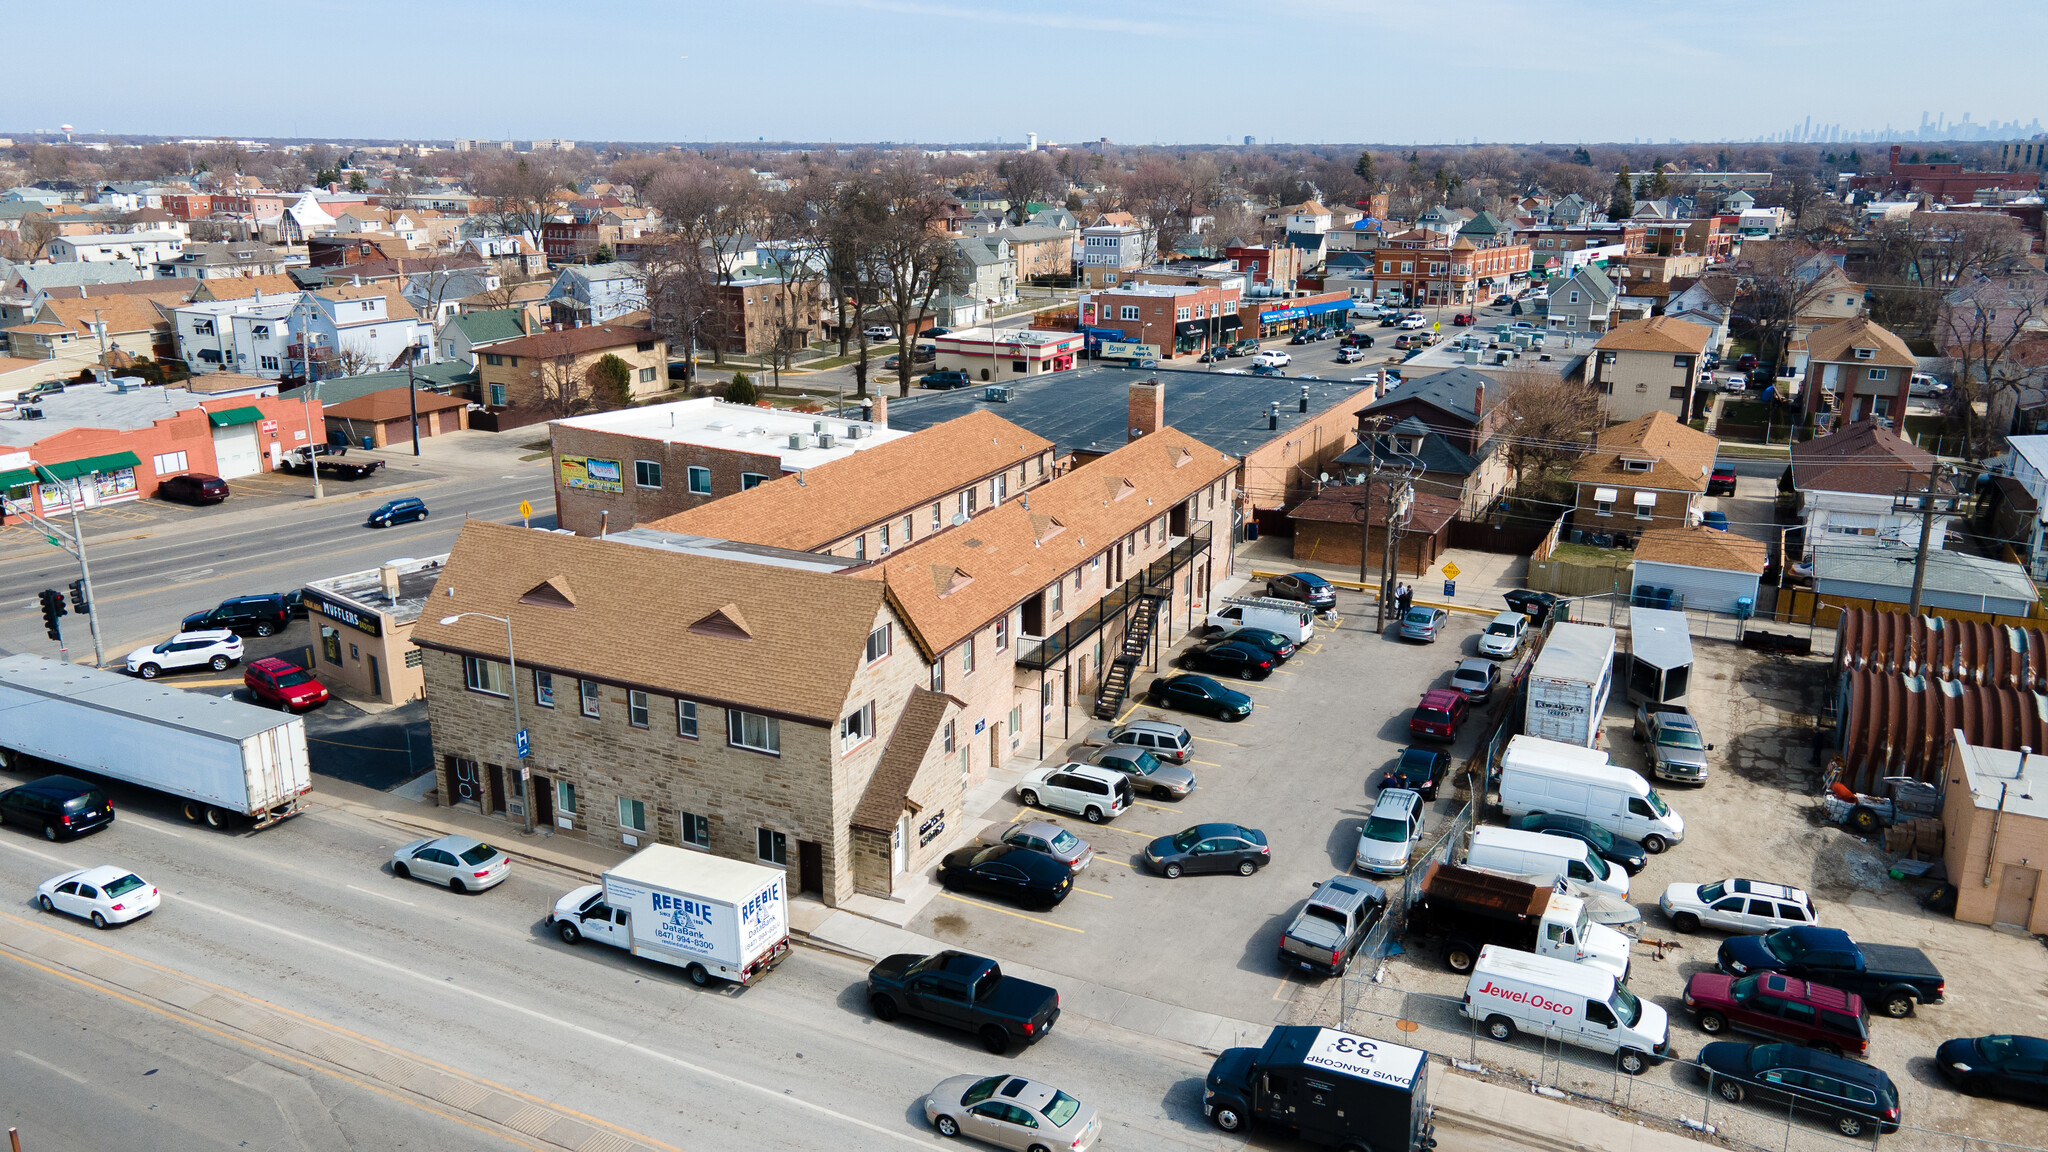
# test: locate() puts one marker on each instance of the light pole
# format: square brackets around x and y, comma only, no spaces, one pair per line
[512,690]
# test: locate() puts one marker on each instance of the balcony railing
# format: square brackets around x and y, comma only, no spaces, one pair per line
[1155,580]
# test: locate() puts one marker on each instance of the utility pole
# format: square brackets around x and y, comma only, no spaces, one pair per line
[1397,506]
[314,439]
[1931,499]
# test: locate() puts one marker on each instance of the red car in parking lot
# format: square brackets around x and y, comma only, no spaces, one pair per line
[283,683]
[1463,320]
[1439,715]
[1783,1006]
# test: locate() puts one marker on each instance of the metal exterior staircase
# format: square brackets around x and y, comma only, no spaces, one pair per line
[1116,679]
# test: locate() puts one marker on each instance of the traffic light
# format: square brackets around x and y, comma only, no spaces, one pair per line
[78,596]
[53,607]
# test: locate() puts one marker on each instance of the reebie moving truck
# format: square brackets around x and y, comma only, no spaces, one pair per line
[709,916]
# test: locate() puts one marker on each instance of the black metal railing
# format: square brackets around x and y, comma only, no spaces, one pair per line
[1045,653]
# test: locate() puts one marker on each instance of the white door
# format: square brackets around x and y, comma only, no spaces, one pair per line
[235,451]
[899,846]
[276,455]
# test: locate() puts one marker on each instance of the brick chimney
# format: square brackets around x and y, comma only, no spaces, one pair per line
[880,413]
[1147,408]
[1479,399]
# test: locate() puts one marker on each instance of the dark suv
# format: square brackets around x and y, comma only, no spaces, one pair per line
[1306,587]
[60,805]
[945,378]
[193,488]
[1854,1097]
[262,615]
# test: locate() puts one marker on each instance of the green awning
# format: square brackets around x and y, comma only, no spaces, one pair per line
[113,462]
[232,416]
[17,478]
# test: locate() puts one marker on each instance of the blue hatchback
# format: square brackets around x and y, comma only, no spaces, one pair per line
[403,510]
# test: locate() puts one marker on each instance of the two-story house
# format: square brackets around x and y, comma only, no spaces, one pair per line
[1857,370]
[1582,301]
[1446,424]
[1112,246]
[233,258]
[527,380]
[595,293]
[1648,473]
[140,249]
[1849,481]
[1651,365]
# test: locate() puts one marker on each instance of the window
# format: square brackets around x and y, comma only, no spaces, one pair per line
[946,736]
[267,363]
[999,488]
[1407,265]
[906,529]
[1877,373]
[939,673]
[878,643]
[487,676]
[1635,465]
[647,375]
[693,829]
[938,518]
[647,473]
[1128,312]
[686,718]
[1003,632]
[1016,720]
[565,797]
[700,481]
[1682,362]
[1573,298]
[497,395]
[1058,596]
[636,708]
[751,479]
[968,500]
[588,690]
[1181,314]
[757,733]
[544,688]
[1866,353]
[170,462]
[967,657]
[860,547]
[857,727]
[632,815]
[1603,507]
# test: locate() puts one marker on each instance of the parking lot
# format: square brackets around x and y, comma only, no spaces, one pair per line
[1303,768]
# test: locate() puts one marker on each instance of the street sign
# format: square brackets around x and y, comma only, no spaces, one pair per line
[525,509]
[523,743]
[1451,571]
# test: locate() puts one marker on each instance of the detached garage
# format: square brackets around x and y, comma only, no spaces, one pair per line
[381,419]
[1708,570]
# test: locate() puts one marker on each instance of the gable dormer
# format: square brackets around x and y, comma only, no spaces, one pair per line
[1865,353]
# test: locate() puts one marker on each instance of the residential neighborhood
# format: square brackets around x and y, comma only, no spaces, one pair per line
[880,606]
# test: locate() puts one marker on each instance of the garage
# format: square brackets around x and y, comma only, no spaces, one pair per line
[236,450]
[1706,570]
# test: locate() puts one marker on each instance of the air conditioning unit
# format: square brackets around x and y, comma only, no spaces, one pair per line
[29,414]
[999,394]
[827,440]
[796,440]
[855,431]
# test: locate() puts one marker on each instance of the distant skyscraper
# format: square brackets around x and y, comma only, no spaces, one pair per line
[1250,140]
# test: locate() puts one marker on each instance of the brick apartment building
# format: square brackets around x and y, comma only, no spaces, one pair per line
[1645,474]
[1857,370]
[750,315]
[840,742]
[1179,319]
[1425,269]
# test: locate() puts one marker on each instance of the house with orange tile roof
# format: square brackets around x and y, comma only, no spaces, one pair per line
[1646,366]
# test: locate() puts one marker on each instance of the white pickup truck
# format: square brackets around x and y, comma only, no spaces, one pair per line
[710,916]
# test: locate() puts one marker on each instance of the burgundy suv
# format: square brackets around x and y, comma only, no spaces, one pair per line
[1438,716]
[1778,1005]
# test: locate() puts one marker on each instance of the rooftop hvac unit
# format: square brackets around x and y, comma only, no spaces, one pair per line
[855,431]
[999,394]
[827,440]
[29,414]
[796,440]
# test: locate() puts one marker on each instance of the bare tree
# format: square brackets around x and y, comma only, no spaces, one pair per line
[520,193]
[1921,257]
[1547,422]
[1994,354]
[559,389]
[910,259]
[354,359]
[1784,279]
[1026,177]
[36,233]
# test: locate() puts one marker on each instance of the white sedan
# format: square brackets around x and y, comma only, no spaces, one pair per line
[104,895]
[214,648]
[463,863]
[1750,907]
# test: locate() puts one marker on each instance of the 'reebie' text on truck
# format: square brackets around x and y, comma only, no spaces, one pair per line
[712,917]
[965,992]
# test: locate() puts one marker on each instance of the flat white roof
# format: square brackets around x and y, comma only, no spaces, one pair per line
[29,680]
[697,873]
[713,423]
[1996,777]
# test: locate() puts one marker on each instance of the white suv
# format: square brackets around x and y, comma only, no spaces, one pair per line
[1744,906]
[1091,792]
[215,649]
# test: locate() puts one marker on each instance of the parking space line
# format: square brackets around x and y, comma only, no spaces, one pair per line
[1286,984]
[1113,828]
[1155,807]
[1256,684]
[1213,740]
[1205,763]
[1093,892]
[1283,672]
[1007,912]
[1118,863]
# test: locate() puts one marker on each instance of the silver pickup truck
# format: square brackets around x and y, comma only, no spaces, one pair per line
[1328,930]
[1676,750]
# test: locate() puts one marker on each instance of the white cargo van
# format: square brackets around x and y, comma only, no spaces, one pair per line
[1513,852]
[1510,992]
[1548,776]
[1290,618]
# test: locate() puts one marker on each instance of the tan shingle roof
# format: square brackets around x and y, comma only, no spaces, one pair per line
[396,306]
[1864,457]
[1682,456]
[889,788]
[1834,343]
[869,487]
[243,287]
[949,585]
[1699,547]
[635,623]
[121,314]
[1660,334]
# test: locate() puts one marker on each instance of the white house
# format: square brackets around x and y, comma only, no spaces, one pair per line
[142,249]
[1847,482]
[250,337]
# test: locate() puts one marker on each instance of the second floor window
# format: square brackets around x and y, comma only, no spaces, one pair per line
[856,727]
[878,643]
[647,473]
[544,688]
[751,731]
[488,676]
[1002,633]
[686,718]
[588,690]
[636,708]
[700,481]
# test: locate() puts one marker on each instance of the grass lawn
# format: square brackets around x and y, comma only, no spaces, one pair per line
[1587,554]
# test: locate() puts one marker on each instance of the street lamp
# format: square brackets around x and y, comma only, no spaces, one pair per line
[512,690]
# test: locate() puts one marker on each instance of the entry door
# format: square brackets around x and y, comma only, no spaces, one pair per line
[496,776]
[236,452]
[899,846]
[543,800]
[810,867]
[2016,896]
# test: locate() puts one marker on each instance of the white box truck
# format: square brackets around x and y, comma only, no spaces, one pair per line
[1569,684]
[226,761]
[1547,776]
[710,916]
[1510,992]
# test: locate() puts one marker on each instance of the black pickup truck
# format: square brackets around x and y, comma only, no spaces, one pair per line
[1890,978]
[965,992]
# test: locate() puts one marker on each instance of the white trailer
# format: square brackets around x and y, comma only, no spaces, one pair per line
[710,916]
[1569,684]
[224,759]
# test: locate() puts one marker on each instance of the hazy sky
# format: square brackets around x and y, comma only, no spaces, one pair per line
[1136,71]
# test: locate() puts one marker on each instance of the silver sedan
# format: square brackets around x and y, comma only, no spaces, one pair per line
[463,863]
[1042,836]
[1147,772]
[1011,1112]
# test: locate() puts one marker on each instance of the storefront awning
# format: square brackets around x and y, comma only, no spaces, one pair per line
[17,478]
[1604,495]
[232,416]
[112,462]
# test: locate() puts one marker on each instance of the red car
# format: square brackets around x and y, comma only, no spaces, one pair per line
[283,683]
[1463,320]
[1783,1006]
[1438,716]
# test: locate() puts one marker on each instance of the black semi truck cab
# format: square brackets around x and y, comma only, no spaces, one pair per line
[1329,1087]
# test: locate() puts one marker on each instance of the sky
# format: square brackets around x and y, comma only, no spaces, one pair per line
[953,71]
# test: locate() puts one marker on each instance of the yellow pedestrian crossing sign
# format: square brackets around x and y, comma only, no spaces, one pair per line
[1450,571]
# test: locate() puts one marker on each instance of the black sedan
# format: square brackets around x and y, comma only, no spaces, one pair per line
[1230,658]
[1613,849]
[1850,1096]
[1191,693]
[1209,848]
[1533,604]
[1419,769]
[1019,873]
[1280,646]
[2015,1067]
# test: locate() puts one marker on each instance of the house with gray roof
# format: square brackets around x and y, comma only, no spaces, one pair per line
[988,269]
[594,293]
[1956,581]
[1583,301]
[1444,422]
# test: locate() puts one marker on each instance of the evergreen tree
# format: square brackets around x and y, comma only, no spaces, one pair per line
[1364,169]
[611,383]
[1660,184]
[1621,205]
[741,390]
[357,182]
[1582,157]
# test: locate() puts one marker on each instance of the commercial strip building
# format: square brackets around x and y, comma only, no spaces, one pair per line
[111,442]
[614,470]
[840,741]
[999,355]
[365,622]
[1167,319]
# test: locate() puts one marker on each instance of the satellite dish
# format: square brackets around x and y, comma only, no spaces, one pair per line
[959,518]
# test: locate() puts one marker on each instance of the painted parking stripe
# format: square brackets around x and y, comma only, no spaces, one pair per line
[1213,740]
[1007,912]
[1125,831]
[1154,807]
[1204,763]
[1093,892]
